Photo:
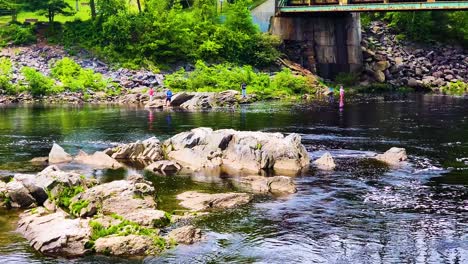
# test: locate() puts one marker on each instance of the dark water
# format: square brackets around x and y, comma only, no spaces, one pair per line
[360,213]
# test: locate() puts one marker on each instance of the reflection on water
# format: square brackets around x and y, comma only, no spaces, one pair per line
[362,212]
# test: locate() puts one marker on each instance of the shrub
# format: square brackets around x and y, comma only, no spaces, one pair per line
[290,83]
[455,88]
[347,79]
[5,76]
[38,84]
[16,34]
[77,79]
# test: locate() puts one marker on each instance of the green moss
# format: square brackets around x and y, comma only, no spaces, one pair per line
[76,207]
[124,228]
[34,210]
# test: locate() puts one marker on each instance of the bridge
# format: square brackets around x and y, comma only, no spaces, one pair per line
[325,35]
[306,6]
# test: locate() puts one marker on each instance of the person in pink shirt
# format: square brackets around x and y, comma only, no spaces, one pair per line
[151,93]
[341,96]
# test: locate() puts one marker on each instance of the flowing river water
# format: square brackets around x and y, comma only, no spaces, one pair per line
[359,213]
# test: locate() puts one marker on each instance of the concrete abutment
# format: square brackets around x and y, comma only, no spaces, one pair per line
[324,43]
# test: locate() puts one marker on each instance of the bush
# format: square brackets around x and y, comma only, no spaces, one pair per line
[455,88]
[38,84]
[347,79]
[223,77]
[16,34]
[77,79]
[5,76]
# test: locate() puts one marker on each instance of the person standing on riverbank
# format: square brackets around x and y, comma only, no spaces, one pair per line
[341,97]
[168,97]
[244,90]
[151,94]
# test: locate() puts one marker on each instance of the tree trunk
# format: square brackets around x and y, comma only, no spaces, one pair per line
[139,6]
[51,16]
[92,5]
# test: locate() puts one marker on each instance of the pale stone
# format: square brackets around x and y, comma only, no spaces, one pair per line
[55,234]
[58,155]
[393,156]
[325,162]
[98,160]
[131,245]
[202,201]
[185,235]
[163,166]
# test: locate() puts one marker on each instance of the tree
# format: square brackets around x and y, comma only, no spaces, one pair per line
[51,8]
[92,5]
[9,7]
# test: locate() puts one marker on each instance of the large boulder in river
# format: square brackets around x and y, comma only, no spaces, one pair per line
[58,155]
[55,234]
[203,201]
[261,184]
[98,160]
[200,101]
[393,156]
[132,199]
[130,245]
[325,162]
[19,195]
[238,150]
[147,150]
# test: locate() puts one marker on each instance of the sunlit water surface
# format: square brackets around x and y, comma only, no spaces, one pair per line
[359,213]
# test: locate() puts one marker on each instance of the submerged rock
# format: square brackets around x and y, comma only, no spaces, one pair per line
[325,162]
[261,184]
[58,155]
[55,234]
[238,150]
[393,156]
[185,235]
[131,245]
[203,201]
[98,160]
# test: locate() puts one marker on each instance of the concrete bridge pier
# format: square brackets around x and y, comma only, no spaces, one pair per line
[322,42]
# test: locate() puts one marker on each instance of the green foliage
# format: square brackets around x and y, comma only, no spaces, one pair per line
[455,88]
[221,77]
[38,84]
[65,195]
[166,34]
[286,81]
[50,8]
[76,207]
[77,79]
[124,228]
[16,34]
[431,25]
[5,76]
[347,79]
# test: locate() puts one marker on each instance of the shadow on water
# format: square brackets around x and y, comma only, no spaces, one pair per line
[362,212]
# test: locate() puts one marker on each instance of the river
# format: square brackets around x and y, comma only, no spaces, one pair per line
[359,213]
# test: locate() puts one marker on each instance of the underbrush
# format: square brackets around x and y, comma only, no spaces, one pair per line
[17,34]
[455,88]
[221,77]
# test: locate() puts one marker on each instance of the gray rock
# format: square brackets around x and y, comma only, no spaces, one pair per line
[163,166]
[147,150]
[261,184]
[393,156]
[19,195]
[325,162]
[98,160]
[58,155]
[55,234]
[185,235]
[203,201]
[131,245]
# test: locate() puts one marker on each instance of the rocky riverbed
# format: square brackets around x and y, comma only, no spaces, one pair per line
[401,63]
[73,214]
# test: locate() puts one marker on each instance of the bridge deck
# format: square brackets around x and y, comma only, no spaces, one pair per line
[304,6]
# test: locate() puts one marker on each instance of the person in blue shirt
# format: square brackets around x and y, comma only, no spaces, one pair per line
[168,97]
[244,90]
